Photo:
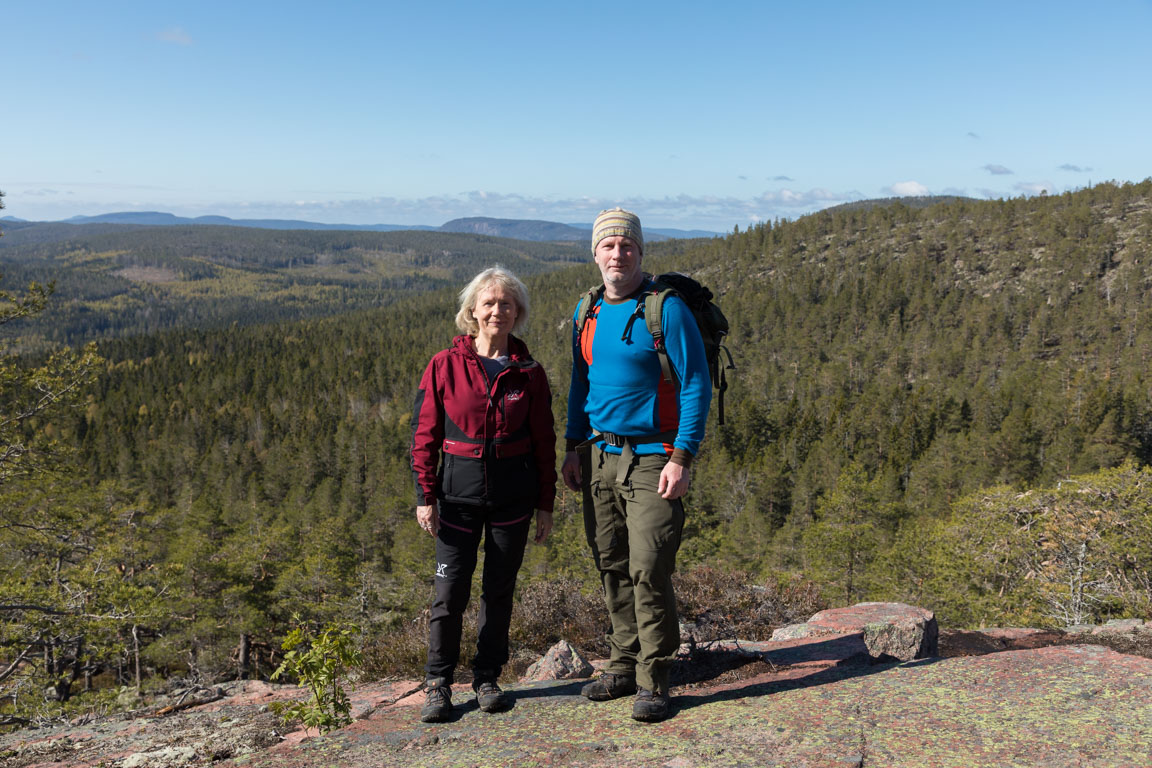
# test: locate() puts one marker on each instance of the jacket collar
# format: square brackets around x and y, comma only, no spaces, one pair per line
[517,350]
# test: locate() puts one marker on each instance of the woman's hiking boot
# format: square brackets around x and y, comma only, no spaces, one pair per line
[609,686]
[437,701]
[489,696]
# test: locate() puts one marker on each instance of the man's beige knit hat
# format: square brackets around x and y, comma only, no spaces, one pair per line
[617,221]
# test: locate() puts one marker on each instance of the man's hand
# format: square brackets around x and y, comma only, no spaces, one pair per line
[674,480]
[429,518]
[543,525]
[570,470]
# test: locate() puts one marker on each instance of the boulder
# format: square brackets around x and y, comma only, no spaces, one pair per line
[561,662]
[891,630]
[903,639]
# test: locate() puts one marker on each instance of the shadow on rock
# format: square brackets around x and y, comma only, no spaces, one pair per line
[805,673]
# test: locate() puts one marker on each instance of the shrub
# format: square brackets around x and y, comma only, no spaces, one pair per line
[319,661]
[726,604]
[559,609]
[401,650]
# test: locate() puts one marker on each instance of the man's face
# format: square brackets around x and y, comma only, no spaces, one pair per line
[619,260]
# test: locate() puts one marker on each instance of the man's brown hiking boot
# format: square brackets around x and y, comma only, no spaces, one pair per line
[609,686]
[650,707]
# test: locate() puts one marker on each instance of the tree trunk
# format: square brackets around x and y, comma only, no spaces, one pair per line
[245,655]
[136,654]
[65,689]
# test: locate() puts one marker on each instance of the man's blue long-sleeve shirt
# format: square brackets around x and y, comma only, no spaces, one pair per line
[618,387]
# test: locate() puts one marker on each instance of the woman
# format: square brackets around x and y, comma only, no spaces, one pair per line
[484,456]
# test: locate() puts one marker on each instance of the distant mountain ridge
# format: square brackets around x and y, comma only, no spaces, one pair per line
[532,230]
[161,219]
[518,229]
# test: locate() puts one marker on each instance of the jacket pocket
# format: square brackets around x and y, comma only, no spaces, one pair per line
[462,479]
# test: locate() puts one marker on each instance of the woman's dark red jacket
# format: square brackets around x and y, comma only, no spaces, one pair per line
[496,437]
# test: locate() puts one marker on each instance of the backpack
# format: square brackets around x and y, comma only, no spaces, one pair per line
[708,316]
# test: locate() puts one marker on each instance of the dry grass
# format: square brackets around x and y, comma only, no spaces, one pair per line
[728,604]
[400,652]
[716,605]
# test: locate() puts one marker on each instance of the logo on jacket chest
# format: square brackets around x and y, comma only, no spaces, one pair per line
[512,395]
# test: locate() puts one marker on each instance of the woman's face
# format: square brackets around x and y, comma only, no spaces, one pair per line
[495,311]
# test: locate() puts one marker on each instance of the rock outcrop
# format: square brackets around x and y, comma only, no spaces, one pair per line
[999,697]
[892,631]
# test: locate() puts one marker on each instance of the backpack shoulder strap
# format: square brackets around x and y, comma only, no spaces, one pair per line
[584,309]
[654,319]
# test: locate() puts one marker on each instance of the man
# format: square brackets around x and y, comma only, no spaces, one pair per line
[631,438]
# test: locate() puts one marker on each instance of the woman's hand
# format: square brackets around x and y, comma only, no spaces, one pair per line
[428,516]
[543,525]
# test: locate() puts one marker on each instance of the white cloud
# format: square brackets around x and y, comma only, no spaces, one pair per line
[1034,188]
[175,35]
[1075,168]
[907,189]
[998,170]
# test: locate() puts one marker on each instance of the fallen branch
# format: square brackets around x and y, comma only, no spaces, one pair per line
[388,702]
[214,694]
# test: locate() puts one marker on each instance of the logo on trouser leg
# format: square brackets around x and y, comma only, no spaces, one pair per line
[440,570]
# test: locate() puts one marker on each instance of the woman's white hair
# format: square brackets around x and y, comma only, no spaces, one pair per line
[493,275]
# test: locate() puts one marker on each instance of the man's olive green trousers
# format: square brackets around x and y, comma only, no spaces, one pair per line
[634,535]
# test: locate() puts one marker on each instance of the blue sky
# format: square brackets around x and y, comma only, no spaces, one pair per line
[707,116]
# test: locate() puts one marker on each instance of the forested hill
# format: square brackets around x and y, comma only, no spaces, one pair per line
[939,350]
[892,362]
[1018,328]
[116,279]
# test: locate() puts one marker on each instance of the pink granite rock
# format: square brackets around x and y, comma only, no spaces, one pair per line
[891,630]
[1070,706]
[904,639]
[561,662]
